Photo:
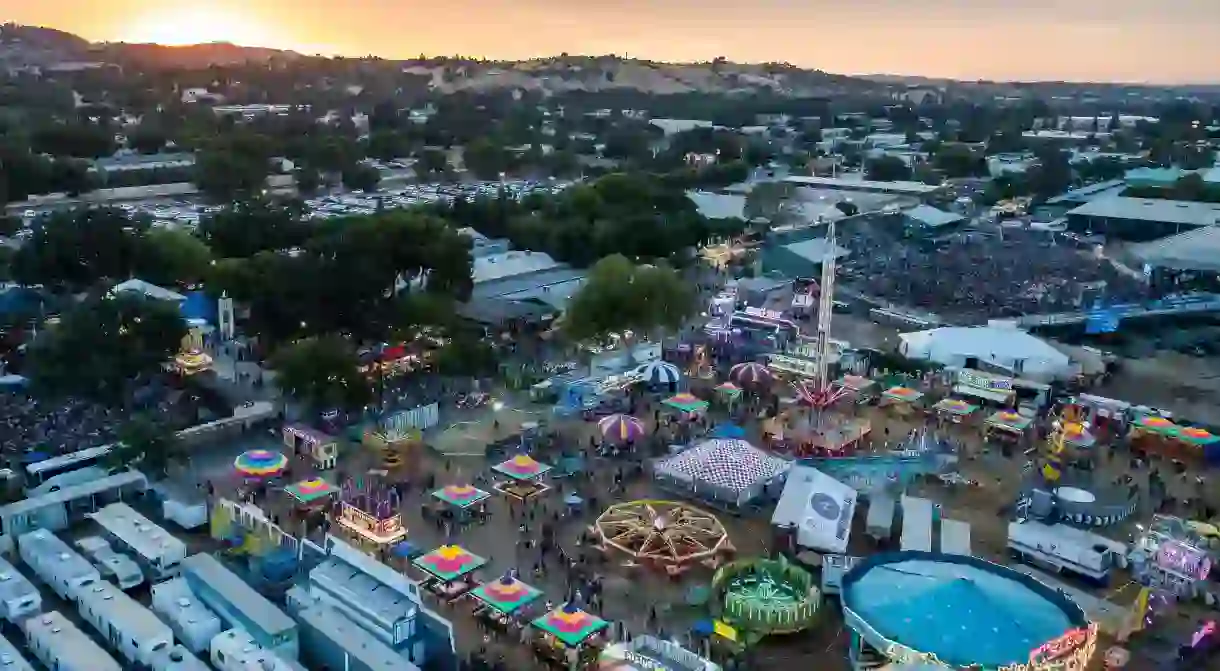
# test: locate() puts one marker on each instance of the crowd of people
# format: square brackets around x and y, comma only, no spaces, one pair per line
[978,275]
[53,427]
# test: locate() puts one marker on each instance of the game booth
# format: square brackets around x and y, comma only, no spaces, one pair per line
[954,410]
[449,570]
[312,498]
[464,500]
[322,448]
[1006,426]
[570,638]
[902,400]
[499,602]
[369,513]
[648,653]
[1156,435]
[665,535]
[960,612]
[524,475]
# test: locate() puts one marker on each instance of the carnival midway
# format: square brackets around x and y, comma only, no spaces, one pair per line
[752,495]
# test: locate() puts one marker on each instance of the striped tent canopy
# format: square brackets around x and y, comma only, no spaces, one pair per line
[751,374]
[658,373]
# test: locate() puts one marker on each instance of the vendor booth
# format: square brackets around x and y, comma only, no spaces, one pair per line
[1007,425]
[1152,434]
[323,449]
[986,387]
[861,388]
[448,568]
[647,653]
[902,400]
[953,409]
[524,475]
[570,637]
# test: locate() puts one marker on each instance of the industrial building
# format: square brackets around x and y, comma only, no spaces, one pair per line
[798,253]
[1141,219]
[868,186]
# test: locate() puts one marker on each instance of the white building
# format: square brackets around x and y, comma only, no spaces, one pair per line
[1002,347]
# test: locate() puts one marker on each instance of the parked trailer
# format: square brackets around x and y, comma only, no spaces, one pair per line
[880,522]
[113,566]
[126,625]
[236,650]
[240,606]
[157,550]
[66,572]
[61,646]
[19,598]
[916,524]
[177,658]
[955,538]
[1063,549]
[332,641]
[11,658]
[191,621]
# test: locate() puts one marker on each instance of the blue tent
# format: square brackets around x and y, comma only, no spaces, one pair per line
[729,430]
[198,305]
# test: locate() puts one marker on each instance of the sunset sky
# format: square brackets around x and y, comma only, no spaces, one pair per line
[1129,40]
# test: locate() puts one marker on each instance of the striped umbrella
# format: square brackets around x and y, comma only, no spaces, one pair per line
[620,428]
[658,373]
[751,374]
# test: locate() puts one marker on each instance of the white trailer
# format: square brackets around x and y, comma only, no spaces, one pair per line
[127,626]
[157,550]
[1063,549]
[11,658]
[235,650]
[916,524]
[880,522]
[19,598]
[60,646]
[115,567]
[955,538]
[177,658]
[66,572]
[193,623]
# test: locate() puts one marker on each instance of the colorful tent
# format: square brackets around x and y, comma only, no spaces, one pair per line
[905,394]
[571,625]
[1006,419]
[522,467]
[686,402]
[751,374]
[1156,424]
[449,562]
[260,463]
[461,496]
[955,406]
[727,470]
[1196,436]
[729,389]
[620,428]
[311,490]
[855,383]
[658,373]
[506,594]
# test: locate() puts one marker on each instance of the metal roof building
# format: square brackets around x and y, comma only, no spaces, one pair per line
[1197,250]
[1142,218]
[905,188]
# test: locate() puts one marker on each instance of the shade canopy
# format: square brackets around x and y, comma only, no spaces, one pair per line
[955,406]
[462,496]
[658,373]
[522,467]
[1006,419]
[686,402]
[902,394]
[620,428]
[260,463]
[751,374]
[570,624]
[728,389]
[313,489]
[506,594]
[449,562]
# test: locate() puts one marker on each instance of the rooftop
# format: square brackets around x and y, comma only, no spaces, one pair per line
[511,286]
[137,160]
[144,537]
[511,264]
[931,217]
[364,591]
[1091,192]
[1197,249]
[718,205]
[995,615]
[816,249]
[914,188]
[147,290]
[1183,212]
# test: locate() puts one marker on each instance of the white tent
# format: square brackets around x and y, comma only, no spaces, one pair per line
[819,507]
[728,470]
[999,346]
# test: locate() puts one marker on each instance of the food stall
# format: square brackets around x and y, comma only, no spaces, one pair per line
[524,474]
[375,530]
[902,400]
[1006,426]
[449,570]
[498,601]
[570,637]
[323,449]
[954,409]
[462,499]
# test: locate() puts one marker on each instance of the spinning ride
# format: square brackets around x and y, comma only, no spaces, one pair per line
[667,533]
[764,596]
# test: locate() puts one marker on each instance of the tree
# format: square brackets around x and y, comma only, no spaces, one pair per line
[959,160]
[308,180]
[485,159]
[848,208]
[75,250]
[887,169]
[226,173]
[170,256]
[147,444]
[103,347]
[361,177]
[321,373]
[248,227]
[9,226]
[430,164]
[619,296]
[770,201]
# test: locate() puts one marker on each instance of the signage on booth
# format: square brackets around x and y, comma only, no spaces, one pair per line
[978,381]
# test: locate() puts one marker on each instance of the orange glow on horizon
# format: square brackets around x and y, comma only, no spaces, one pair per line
[198,26]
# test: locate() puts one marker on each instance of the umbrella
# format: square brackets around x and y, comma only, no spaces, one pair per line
[750,373]
[622,428]
[658,373]
[260,463]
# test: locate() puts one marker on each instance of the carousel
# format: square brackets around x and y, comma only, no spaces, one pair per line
[765,597]
[666,534]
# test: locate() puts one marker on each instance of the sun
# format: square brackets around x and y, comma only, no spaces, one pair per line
[196,26]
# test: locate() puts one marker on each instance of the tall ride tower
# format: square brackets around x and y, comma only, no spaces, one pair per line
[826,306]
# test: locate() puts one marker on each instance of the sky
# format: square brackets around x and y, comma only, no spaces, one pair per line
[1162,41]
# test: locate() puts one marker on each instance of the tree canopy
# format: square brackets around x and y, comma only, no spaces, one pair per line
[619,295]
[320,373]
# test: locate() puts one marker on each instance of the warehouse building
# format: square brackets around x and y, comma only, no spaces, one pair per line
[1141,219]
